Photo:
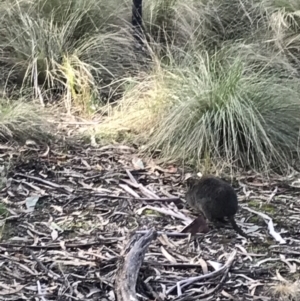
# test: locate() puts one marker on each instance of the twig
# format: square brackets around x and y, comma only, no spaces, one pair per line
[183,283]
[210,292]
[173,234]
[138,199]
[57,246]
[272,195]
[51,184]
[174,265]
[129,190]
[286,252]
[132,178]
[170,234]
[146,192]
[272,231]
[166,211]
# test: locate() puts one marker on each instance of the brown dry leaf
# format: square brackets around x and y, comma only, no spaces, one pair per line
[199,225]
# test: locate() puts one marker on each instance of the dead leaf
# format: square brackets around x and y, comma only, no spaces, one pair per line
[167,255]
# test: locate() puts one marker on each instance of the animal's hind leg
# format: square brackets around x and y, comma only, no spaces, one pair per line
[221,220]
[218,222]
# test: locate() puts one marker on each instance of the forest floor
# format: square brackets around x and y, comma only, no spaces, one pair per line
[71,211]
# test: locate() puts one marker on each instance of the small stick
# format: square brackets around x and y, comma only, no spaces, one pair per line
[166,211]
[138,199]
[58,246]
[170,234]
[51,184]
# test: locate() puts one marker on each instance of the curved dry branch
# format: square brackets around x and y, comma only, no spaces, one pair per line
[128,269]
[183,283]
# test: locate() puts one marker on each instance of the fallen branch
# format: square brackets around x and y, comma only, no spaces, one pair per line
[128,270]
[183,283]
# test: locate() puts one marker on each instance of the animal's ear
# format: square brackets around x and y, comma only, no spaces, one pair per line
[190,182]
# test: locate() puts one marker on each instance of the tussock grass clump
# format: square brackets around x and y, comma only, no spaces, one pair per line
[283,20]
[192,23]
[40,38]
[224,110]
[23,121]
[181,26]
[95,15]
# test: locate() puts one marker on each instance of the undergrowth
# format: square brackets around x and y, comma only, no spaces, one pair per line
[218,107]
[216,81]
[66,48]
[22,121]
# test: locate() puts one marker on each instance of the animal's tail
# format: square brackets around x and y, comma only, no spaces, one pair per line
[236,227]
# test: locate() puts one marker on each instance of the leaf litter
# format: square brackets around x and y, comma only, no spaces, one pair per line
[69,214]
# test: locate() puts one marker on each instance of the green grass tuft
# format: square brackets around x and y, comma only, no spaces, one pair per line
[224,110]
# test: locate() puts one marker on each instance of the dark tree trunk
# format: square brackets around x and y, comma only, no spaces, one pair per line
[137,21]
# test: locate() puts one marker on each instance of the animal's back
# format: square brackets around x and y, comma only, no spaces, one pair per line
[213,196]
